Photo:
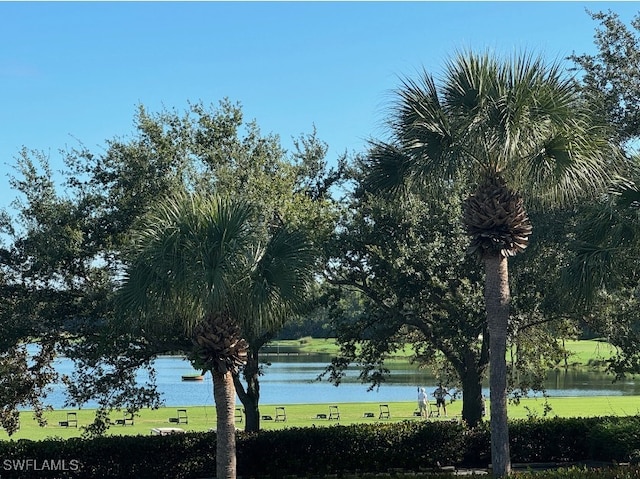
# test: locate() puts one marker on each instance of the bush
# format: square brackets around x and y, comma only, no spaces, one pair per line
[585,473]
[615,439]
[477,446]
[177,456]
[365,448]
[544,440]
[362,447]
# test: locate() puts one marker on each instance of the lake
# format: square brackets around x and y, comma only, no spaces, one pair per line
[291,379]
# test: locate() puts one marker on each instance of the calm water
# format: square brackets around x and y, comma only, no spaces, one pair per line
[292,379]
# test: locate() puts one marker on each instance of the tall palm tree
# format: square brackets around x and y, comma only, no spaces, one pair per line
[510,127]
[212,264]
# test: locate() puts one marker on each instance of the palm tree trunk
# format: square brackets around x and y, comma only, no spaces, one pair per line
[224,396]
[497,305]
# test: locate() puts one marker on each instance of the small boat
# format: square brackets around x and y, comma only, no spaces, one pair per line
[192,377]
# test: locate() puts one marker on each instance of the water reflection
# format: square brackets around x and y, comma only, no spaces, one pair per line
[293,379]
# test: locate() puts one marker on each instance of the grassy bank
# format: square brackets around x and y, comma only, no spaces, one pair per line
[203,418]
[583,353]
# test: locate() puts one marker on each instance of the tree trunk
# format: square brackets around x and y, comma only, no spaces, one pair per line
[472,401]
[250,397]
[497,305]
[224,394]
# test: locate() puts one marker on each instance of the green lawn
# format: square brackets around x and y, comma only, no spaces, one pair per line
[589,352]
[202,418]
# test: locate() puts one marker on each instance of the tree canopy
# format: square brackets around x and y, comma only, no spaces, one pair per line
[65,245]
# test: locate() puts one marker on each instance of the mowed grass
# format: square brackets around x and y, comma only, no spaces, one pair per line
[588,352]
[203,418]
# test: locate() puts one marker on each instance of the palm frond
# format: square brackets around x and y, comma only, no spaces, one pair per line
[281,277]
[199,256]
[609,238]
[186,255]
[386,169]
[569,162]
[589,271]
[628,195]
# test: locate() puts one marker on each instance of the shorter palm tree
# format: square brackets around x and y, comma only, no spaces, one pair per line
[213,265]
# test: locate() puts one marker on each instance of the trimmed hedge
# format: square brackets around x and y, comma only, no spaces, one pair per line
[178,456]
[363,447]
[409,446]
[585,473]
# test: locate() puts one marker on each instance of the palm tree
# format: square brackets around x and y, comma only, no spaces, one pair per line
[509,127]
[212,264]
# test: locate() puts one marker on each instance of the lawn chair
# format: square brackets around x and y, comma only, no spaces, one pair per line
[238,416]
[431,411]
[334,413]
[384,411]
[281,415]
[72,420]
[182,417]
[127,420]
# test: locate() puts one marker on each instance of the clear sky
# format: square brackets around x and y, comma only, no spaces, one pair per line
[76,71]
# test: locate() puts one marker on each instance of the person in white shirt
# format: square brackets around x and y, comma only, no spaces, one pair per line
[423,403]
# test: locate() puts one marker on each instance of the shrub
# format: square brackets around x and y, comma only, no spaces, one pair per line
[362,447]
[177,456]
[585,473]
[365,448]
[615,439]
[544,440]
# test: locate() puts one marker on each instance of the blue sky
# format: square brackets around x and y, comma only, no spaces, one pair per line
[76,71]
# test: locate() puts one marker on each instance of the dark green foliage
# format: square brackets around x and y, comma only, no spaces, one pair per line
[558,440]
[140,457]
[405,279]
[362,448]
[610,78]
[585,473]
[371,447]
[616,439]
[603,275]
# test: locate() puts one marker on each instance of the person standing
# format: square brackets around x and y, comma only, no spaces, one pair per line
[423,403]
[440,393]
